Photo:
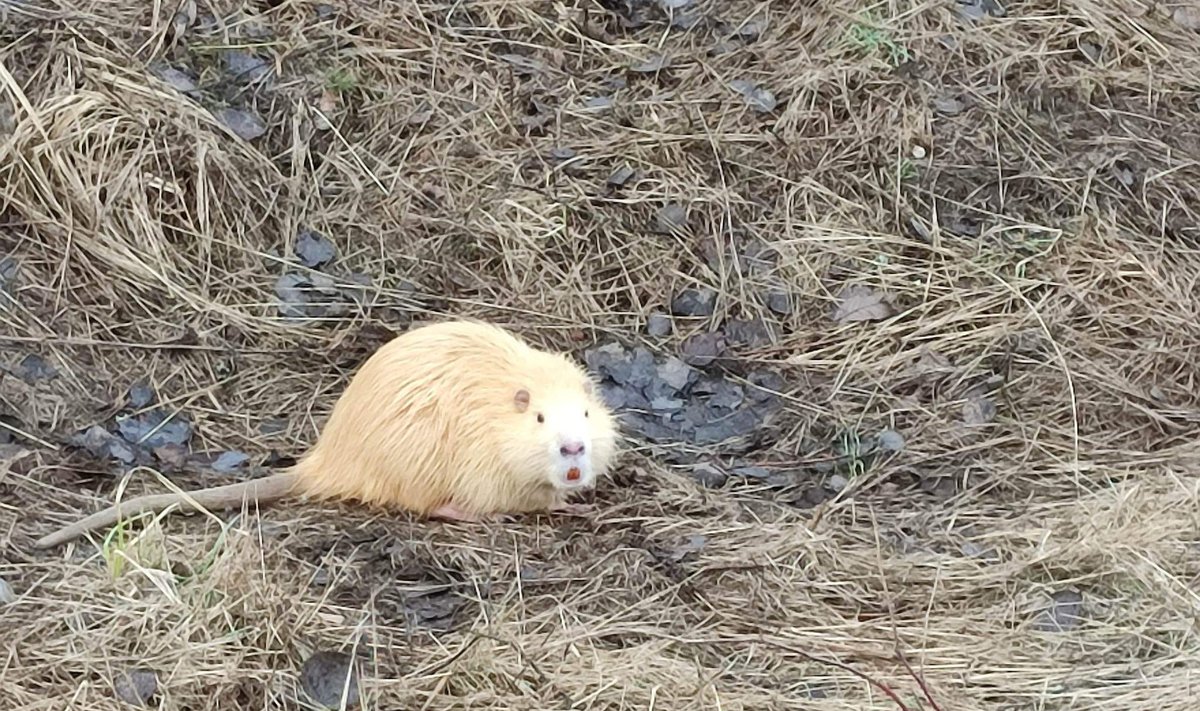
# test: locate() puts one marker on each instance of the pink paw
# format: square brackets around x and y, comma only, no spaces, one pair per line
[572,509]
[450,512]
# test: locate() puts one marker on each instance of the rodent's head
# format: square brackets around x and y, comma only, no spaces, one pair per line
[573,429]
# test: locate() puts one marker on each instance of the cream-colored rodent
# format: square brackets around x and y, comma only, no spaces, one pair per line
[457,420]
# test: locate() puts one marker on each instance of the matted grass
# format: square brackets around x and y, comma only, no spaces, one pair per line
[1022,187]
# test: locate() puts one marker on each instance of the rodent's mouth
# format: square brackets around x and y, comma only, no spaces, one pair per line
[572,478]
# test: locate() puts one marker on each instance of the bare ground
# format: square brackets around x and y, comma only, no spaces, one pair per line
[1013,191]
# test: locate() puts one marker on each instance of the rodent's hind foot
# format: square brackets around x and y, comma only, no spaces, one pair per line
[450,512]
[562,507]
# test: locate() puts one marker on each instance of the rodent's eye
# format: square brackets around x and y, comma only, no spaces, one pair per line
[541,418]
[585,413]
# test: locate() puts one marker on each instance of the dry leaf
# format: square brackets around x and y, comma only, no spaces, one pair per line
[859,303]
[328,103]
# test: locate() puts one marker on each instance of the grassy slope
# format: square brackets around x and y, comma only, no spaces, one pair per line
[1038,239]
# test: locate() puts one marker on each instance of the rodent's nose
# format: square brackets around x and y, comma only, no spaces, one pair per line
[571,449]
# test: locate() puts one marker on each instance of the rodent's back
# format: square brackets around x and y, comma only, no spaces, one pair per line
[423,419]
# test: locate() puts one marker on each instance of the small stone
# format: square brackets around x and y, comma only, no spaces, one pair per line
[140,395]
[290,289]
[94,440]
[1063,614]
[749,333]
[675,372]
[172,455]
[978,410]
[1187,17]
[598,103]
[245,65]
[687,19]
[972,11]
[183,18]
[750,30]
[694,543]
[941,487]
[525,65]
[918,152]
[273,426]
[810,497]
[33,368]
[725,395]
[752,472]
[178,79]
[694,302]
[838,483]
[314,249]
[1089,50]
[670,217]
[891,441]
[666,405]
[1124,174]
[780,302]
[152,429]
[708,476]
[658,325]
[702,349]
[767,384]
[229,461]
[948,105]
[9,271]
[7,596]
[620,176]
[974,550]
[244,124]
[324,284]
[136,687]
[326,675]
[758,98]
[655,63]
[781,480]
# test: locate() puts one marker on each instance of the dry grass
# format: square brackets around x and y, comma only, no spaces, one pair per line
[149,239]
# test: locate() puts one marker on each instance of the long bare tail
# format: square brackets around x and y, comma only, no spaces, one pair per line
[261,490]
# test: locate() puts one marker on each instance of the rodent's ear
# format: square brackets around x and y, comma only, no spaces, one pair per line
[521,400]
